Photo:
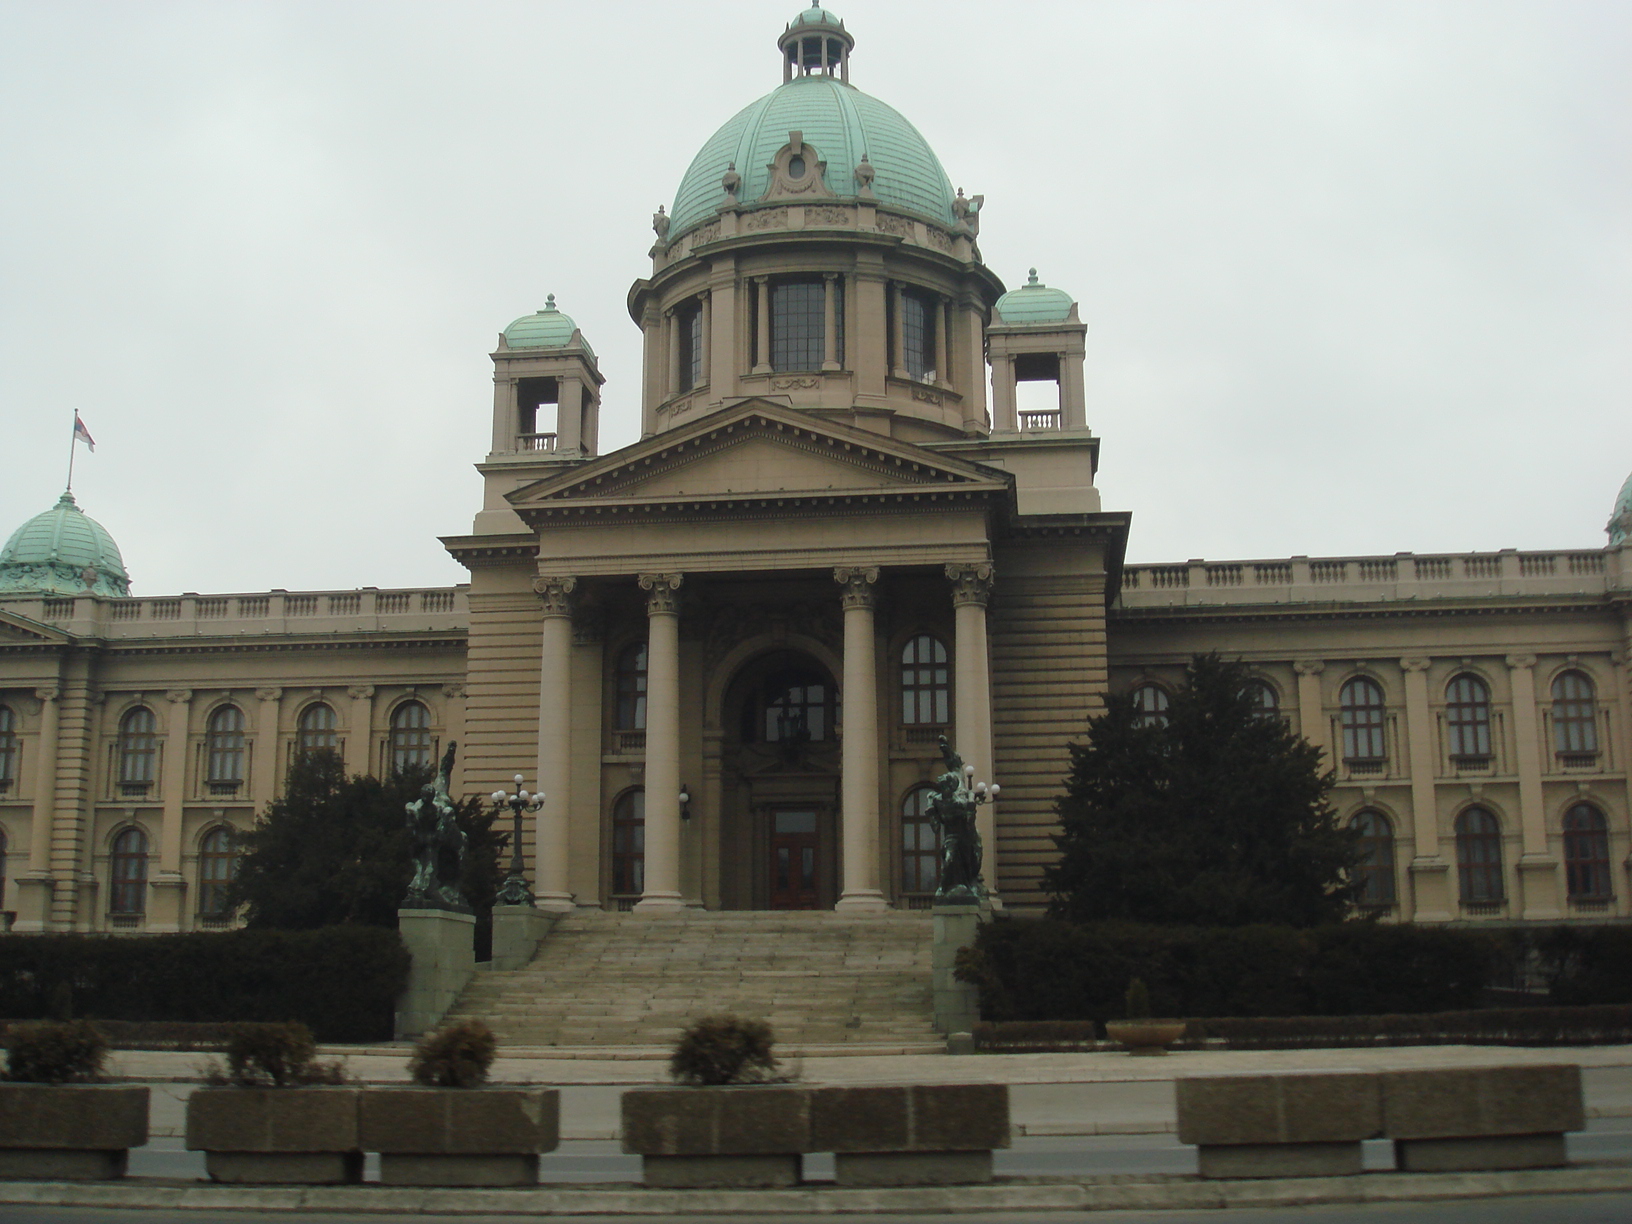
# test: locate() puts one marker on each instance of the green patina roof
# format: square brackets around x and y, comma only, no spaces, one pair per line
[1620,522]
[842,124]
[548,328]
[1034,302]
[815,15]
[62,552]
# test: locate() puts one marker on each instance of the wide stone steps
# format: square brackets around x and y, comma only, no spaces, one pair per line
[819,978]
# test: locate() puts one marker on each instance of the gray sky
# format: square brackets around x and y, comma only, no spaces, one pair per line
[1358,275]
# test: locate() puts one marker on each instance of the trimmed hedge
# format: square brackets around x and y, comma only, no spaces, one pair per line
[1045,969]
[341,982]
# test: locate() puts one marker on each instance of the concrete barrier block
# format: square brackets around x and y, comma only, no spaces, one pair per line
[419,1169]
[1482,1101]
[873,1119]
[960,1117]
[912,1168]
[285,1168]
[96,1117]
[459,1121]
[746,1121]
[1268,1109]
[721,1172]
[305,1136]
[1245,1160]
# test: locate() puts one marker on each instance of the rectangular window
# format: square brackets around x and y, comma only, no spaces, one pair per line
[917,335]
[690,323]
[798,311]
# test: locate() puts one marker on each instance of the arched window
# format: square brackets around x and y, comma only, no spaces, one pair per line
[1586,854]
[1150,706]
[224,749]
[315,729]
[1467,717]
[1264,701]
[10,749]
[216,864]
[1361,710]
[1479,857]
[631,712]
[629,844]
[920,844]
[798,707]
[1376,869]
[128,894]
[1575,715]
[926,683]
[138,746]
[410,736]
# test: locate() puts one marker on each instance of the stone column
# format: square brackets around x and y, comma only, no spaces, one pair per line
[830,321]
[898,333]
[762,334]
[551,838]
[1073,396]
[972,694]
[167,889]
[360,734]
[671,354]
[1004,417]
[662,742]
[1429,870]
[569,416]
[34,885]
[859,787]
[973,351]
[651,390]
[1538,869]
[264,763]
[1311,709]
[943,367]
[705,320]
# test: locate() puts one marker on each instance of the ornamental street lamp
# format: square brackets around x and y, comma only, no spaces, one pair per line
[981,790]
[514,890]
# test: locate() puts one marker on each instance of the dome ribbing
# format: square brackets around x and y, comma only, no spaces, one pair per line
[62,552]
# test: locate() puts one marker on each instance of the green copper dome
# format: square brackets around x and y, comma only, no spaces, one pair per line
[549,328]
[815,15]
[1620,523]
[62,552]
[1034,302]
[842,124]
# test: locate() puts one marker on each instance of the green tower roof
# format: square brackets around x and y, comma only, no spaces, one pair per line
[548,328]
[815,15]
[62,552]
[1034,302]
[1620,522]
[843,125]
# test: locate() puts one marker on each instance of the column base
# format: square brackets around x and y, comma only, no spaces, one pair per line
[863,901]
[672,902]
[169,894]
[555,903]
[33,903]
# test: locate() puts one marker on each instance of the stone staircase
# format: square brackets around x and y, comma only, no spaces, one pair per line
[823,980]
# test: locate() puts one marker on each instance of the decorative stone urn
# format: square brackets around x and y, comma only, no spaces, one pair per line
[459,1136]
[70,1132]
[277,1136]
[1147,1037]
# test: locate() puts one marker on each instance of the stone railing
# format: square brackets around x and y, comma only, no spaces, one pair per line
[192,615]
[1359,579]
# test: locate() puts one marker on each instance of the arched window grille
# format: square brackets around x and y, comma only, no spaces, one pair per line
[1150,706]
[224,749]
[1575,715]
[926,682]
[217,862]
[1376,865]
[629,844]
[127,896]
[1264,701]
[411,736]
[799,707]
[920,844]
[315,729]
[1467,717]
[1479,857]
[1586,854]
[1361,712]
[10,749]
[631,709]
[137,750]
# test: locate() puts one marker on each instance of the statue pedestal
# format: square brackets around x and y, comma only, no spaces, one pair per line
[443,946]
[957,1004]
[517,931]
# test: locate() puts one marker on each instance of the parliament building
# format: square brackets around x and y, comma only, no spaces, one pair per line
[726,652]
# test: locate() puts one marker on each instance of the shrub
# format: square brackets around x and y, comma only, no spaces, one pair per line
[274,1056]
[724,1050]
[54,1052]
[1137,1000]
[457,1056]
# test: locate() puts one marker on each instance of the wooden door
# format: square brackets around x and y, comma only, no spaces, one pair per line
[795,859]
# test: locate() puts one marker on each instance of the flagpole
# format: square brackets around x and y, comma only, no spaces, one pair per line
[73,444]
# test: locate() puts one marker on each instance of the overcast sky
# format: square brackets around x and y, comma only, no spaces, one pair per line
[1358,275]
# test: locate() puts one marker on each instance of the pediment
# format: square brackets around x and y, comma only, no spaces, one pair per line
[20,631]
[756,453]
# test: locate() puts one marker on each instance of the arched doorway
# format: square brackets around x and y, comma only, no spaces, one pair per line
[780,784]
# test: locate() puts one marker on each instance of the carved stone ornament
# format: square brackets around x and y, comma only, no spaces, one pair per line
[765,219]
[660,224]
[864,178]
[925,395]
[971,584]
[1521,662]
[828,214]
[555,593]
[268,694]
[179,696]
[358,692]
[663,593]
[889,223]
[1308,667]
[967,212]
[453,689]
[43,695]
[797,170]
[730,183]
[705,233]
[857,581]
[1416,664]
[795,384]
[735,623]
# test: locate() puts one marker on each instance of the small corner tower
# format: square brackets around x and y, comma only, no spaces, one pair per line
[1036,336]
[542,362]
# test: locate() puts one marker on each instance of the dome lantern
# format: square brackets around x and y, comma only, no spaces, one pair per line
[816,43]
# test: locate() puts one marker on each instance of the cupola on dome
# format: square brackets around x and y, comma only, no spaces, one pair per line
[62,552]
[547,328]
[1034,302]
[841,124]
[1620,522]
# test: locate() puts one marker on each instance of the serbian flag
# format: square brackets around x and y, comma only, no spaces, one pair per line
[81,434]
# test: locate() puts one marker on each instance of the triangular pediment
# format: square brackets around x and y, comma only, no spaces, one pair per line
[20,631]
[753,453]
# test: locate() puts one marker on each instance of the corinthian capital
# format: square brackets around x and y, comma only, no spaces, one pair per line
[1521,662]
[555,593]
[663,593]
[857,581]
[971,584]
[1308,667]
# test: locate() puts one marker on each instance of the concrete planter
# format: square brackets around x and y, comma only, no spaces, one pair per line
[1279,1125]
[70,1132]
[1145,1036]
[911,1135]
[749,1136]
[459,1136]
[288,1136]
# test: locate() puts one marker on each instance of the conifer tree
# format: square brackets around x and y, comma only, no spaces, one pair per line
[1217,815]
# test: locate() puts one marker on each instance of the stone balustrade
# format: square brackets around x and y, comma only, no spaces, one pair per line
[434,609]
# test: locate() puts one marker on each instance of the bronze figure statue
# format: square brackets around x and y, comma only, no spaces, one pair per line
[439,845]
[952,811]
